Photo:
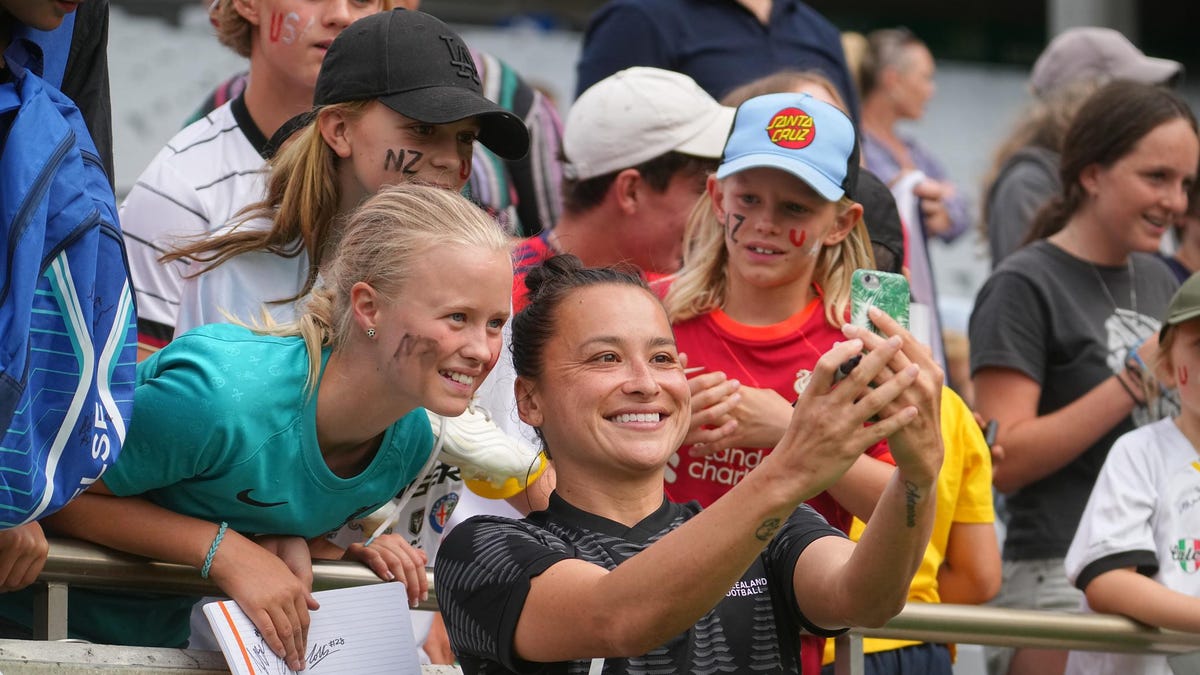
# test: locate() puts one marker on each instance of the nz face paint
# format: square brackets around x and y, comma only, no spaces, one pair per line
[797,239]
[414,344]
[402,160]
[1182,375]
[734,222]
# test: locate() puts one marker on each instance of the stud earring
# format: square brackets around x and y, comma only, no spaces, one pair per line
[371,333]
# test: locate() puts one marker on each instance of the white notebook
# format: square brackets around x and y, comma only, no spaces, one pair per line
[362,630]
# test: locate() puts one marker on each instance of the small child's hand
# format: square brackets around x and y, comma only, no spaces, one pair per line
[760,418]
[713,399]
[394,559]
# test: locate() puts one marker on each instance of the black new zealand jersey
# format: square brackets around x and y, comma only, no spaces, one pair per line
[485,564]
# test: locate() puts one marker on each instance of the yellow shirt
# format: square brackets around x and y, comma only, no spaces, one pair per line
[964,495]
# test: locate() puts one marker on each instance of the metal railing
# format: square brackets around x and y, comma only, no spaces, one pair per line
[74,563]
[978,625]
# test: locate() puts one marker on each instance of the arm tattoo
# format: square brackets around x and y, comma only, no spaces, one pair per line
[767,529]
[912,495]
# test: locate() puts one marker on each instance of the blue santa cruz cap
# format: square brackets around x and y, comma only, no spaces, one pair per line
[796,133]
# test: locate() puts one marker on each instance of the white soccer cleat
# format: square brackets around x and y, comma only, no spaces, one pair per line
[491,462]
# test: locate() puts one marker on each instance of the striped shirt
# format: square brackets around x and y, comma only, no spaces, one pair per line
[207,173]
[524,194]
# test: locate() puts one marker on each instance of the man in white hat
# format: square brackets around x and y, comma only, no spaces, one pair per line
[638,147]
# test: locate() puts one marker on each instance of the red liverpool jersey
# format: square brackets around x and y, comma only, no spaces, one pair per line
[779,357]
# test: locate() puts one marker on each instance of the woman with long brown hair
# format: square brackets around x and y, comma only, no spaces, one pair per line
[1062,328]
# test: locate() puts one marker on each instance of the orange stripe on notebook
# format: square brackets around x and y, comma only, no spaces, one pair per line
[236,634]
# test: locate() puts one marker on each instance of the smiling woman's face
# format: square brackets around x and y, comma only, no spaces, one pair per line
[612,396]
[1141,195]
[443,334]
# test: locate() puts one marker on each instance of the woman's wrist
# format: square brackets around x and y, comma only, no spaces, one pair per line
[781,485]
[923,473]
[1132,385]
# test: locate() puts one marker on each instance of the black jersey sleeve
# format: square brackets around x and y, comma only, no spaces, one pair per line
[801,529]
[483,572]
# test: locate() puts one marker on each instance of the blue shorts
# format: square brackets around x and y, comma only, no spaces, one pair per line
[926,658]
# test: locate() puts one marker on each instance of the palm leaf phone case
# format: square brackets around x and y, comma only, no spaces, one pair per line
[885,290]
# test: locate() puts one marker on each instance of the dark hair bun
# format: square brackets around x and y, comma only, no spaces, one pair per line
[553,270]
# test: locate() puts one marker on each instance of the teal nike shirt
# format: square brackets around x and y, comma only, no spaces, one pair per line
[224,428]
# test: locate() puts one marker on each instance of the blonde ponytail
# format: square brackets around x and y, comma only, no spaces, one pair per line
[302,201]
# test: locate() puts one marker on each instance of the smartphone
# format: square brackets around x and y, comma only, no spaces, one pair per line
[885,290]
[989,433]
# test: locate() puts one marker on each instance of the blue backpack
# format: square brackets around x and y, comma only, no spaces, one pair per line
[68,341]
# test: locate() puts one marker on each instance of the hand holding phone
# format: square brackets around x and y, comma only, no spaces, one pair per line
[870,288]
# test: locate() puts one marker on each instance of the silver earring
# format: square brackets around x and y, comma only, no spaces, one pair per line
[371,333]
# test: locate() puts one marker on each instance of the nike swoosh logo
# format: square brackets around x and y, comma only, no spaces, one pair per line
[245,498]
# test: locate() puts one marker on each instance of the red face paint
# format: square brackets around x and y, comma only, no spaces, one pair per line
[797,241]
[276,27]
[1182,375]
[464,169]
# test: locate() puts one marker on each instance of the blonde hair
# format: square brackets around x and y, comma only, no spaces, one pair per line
[382,239]
[783,81]
[703,283]
[302,201]
[235,32]
[857,50]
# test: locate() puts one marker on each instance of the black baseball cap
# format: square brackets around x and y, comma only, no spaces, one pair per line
[416,65]
[881,217]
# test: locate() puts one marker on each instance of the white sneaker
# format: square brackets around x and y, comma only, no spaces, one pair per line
[492,463]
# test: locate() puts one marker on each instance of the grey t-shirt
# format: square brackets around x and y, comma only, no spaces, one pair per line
[1025,183]
[1044,314]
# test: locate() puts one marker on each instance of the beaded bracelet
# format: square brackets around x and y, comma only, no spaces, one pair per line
[1128,390]
[212,550]
[1136,367]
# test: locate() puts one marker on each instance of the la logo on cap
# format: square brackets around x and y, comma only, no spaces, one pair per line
[791,128]
[460,58]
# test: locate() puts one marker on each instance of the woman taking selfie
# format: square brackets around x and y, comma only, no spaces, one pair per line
[656,583]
